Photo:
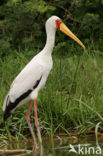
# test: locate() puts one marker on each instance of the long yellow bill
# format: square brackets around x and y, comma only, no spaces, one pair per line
[67,31]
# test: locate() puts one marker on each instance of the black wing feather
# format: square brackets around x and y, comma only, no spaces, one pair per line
[12,105]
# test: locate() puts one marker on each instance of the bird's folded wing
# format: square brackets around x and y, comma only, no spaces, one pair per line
[26,80]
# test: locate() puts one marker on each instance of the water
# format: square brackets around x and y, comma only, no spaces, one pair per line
[58,146]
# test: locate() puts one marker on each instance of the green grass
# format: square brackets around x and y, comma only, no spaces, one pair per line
[72,98]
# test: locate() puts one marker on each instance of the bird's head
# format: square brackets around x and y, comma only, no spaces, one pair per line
[56,23]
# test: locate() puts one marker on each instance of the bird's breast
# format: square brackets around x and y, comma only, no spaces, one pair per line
[45,60]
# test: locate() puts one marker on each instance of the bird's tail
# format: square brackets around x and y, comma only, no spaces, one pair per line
[5,102]
[6,111]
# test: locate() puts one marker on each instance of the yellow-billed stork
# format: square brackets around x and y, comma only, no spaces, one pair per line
[33,77]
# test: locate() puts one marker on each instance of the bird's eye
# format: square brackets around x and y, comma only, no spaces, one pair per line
[58,22]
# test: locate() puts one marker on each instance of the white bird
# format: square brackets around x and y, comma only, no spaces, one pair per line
[33,77]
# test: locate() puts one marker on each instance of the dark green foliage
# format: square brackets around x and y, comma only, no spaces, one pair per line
[22,21]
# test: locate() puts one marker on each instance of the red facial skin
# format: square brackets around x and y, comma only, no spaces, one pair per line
[58,22]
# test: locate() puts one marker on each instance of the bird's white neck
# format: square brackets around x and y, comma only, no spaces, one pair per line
[50,40]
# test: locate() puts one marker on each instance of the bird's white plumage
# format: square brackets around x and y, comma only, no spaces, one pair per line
[26,80]
[38,67]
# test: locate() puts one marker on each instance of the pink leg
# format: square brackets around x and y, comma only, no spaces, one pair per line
[37,122]
[29,124]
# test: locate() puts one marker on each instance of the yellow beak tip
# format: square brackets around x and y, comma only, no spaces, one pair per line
[84,48]
[67,31]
